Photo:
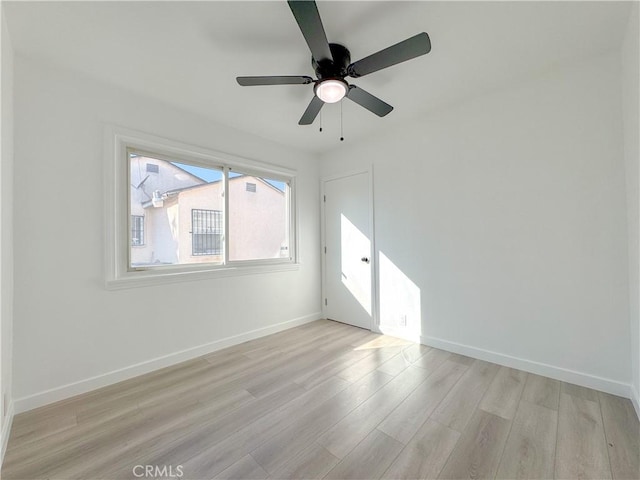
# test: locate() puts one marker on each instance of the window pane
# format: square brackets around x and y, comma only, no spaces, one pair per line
[258,218]
[176,212]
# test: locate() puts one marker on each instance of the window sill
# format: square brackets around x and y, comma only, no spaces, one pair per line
[148,278]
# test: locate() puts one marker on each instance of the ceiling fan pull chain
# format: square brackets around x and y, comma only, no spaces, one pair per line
[320,120]
[341,134]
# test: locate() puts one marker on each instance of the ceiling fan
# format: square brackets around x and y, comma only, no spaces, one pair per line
[332,64]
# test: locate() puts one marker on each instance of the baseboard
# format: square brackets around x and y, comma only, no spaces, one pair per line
[570,376]
[6,431]
[46,397]
[635,399]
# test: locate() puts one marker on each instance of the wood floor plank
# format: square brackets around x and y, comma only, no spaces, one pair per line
[504,393]
[141,386]
[581,451]
[355,372]
[462,359]
[580,392]
[531,445]
[395,364]
[305,430]
[319,373]
[369,460]
[542,391]
[271,381]
[205,460]
[622,431]
[244,469]
[457,408]
[413,352]
[142,382]
[477,453]
[432,359]
[181,382]
[176,445]
[266,376]
[351,430]
[426,454]
[403,423]
[24,432]
[28,463]
[314,461]
[265,349]
[325,338]
[167,435]
[113,442]
[379,342]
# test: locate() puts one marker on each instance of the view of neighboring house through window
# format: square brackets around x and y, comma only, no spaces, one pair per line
[178,208]
[258,218]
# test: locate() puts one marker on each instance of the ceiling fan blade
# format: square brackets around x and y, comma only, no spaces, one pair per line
[400,52]
[368,101]
[281,80]
[311,112]
[308,18]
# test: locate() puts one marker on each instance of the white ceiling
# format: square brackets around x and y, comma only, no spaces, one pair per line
[188,53]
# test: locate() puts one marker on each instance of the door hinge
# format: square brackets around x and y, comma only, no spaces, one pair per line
[325,302]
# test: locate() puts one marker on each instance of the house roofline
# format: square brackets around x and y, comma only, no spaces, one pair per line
[244,175]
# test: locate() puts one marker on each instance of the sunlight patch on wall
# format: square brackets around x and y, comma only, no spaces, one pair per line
[356,275]
[399,300]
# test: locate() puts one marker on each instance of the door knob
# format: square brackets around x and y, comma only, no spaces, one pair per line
[365,259]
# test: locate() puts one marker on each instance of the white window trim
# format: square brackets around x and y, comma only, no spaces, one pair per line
[117,242]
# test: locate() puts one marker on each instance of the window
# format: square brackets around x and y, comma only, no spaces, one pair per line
[206,232]
[181,212]
[137,230]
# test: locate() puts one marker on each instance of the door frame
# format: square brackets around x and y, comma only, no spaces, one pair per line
[374,327]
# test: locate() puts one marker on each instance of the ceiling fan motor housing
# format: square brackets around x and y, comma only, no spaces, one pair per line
[337,68]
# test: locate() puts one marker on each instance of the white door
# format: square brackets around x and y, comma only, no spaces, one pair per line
[347,277]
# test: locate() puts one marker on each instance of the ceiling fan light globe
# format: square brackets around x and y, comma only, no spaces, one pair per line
[331,91]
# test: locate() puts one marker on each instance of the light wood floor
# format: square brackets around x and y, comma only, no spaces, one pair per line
[327,400]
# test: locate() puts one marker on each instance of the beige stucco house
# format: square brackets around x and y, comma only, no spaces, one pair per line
[178,218]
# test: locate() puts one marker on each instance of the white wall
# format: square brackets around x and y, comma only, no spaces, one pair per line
[68,328]
[6,234]
[508,213]
[630,106]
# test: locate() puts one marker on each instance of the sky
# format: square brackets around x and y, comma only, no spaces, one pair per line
[211,175]
[207,174]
